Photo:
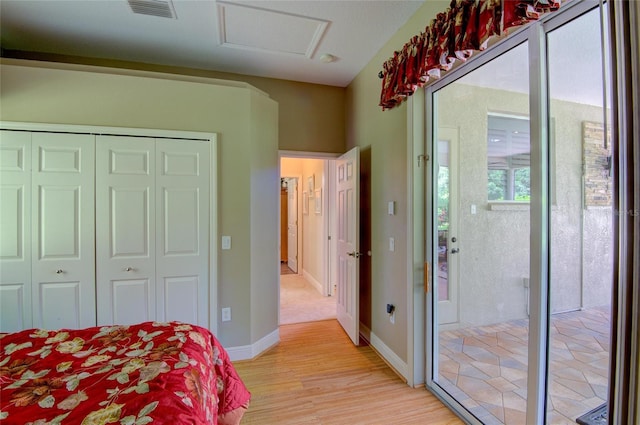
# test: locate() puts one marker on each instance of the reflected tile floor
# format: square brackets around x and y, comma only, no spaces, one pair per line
[485,368]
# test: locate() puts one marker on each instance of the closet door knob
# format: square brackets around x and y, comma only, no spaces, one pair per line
[128,269]
[59,271]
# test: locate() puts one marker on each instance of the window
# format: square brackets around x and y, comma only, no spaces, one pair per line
[508,159]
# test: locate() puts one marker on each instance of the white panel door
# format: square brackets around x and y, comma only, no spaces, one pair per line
[292,224]
[125,229]
[182,235]
[15,230]
[63,255]
[348,193]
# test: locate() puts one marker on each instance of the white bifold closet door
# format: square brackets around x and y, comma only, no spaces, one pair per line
[152,236]
[15,231]
[63,255]
[47,251]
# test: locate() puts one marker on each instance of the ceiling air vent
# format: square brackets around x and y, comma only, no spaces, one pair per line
[161,8]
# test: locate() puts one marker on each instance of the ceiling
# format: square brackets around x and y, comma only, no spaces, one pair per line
[276,39]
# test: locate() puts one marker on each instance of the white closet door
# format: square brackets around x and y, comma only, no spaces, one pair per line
[15,231]
[182,271]
[63,256]
[125,234]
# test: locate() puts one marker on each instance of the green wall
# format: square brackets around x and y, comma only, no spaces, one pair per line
[382,137]
[248,185]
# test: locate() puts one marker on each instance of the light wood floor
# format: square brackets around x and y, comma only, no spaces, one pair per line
[315,375]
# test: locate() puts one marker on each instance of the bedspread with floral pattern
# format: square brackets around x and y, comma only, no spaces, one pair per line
[160,373]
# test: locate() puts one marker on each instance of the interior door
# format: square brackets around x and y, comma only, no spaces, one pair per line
[348,203]
[447,279]
[292,224]
[126,229]
[182,213]
[63,255]
[15,228]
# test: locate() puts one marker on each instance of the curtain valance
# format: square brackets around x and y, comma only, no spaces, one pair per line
[465,27]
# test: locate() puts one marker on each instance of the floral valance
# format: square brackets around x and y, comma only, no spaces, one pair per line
[465,27]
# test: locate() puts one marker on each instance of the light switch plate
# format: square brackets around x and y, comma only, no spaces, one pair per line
[226,314]
[391,207]
[226,242]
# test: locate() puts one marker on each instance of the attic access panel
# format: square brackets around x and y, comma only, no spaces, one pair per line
[253,28]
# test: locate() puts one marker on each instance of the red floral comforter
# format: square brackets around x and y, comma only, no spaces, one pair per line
[160,373]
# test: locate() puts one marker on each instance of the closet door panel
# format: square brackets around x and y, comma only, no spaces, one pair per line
[182,185]
[58,222]
[131,301]
[60,304]
[63,266]
[125,234]
[15,230]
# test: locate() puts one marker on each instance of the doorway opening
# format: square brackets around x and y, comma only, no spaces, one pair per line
[307,273]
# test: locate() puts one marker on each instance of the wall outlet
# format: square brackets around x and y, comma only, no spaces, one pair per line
[391,311]
[226,314]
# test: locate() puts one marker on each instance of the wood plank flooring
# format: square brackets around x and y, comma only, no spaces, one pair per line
[316,376]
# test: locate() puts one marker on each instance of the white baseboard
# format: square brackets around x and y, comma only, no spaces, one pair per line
[313,281]
[389,356]
[247,352]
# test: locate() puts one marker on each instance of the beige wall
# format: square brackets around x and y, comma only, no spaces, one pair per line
[312,223]
[311,116]
[265,190]
[291,167]
[384,136]
[246,123]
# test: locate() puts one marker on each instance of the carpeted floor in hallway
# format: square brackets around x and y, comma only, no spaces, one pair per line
[301,302]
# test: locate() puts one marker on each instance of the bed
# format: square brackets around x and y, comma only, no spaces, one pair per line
[147,373]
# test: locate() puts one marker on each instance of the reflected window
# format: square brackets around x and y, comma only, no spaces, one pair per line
[508,159]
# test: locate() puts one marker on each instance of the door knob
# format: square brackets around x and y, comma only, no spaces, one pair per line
[128,269]
[454,250]
[354,254]
[59,271]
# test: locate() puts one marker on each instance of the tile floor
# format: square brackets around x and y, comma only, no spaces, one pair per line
[486,367]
